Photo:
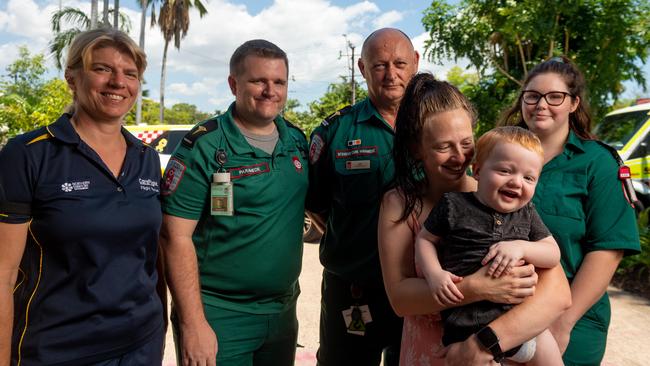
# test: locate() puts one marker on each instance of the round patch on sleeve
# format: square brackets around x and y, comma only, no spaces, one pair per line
[173,175]
[316,148]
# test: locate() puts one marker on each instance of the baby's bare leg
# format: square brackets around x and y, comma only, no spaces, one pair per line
[547,352]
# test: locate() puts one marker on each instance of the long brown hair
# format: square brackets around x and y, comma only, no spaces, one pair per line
[580,119]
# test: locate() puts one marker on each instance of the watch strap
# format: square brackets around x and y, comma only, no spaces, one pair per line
[490,342]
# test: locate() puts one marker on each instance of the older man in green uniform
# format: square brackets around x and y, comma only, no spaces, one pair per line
[350,167]
[233,251]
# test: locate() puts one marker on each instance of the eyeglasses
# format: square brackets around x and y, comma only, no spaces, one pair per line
[554,98]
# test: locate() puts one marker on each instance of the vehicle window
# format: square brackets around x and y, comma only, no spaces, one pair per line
[167,142]
[617,129]
[641,150]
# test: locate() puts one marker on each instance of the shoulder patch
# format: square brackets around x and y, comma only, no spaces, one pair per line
[332,117]
[173,175]
[315,148]
[198,131]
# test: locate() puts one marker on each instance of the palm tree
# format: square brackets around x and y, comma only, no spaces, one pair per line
[116,12]
[144,5]
[174,21]
[94,5]
[105,13]
[80,22]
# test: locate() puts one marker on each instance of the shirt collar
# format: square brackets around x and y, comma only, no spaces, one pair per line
[238,142]
[367,112]
[574,144]
[63,130]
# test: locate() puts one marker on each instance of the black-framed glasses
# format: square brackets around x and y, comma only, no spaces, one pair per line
[554,98]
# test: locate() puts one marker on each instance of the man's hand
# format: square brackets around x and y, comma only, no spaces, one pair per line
[198,345]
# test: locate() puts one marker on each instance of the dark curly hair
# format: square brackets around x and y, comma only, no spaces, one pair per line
[424,97]
[580,119]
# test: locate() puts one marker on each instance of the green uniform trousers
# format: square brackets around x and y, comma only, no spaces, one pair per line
[246,339]
[589,336]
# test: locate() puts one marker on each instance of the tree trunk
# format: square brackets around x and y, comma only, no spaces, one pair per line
[162,84]
[116,14]
[93,13]
[138,105]
[105,14]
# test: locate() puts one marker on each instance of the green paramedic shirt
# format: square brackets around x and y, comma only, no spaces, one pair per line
[350,168]
[250,261]
[581,201]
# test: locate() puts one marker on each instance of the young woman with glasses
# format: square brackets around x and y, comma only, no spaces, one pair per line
[580,199]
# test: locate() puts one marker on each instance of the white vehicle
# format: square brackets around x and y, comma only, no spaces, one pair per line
[628,131]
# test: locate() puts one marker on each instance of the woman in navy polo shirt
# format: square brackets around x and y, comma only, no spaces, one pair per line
[79,221]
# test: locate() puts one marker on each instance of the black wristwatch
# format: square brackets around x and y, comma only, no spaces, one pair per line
[489,341]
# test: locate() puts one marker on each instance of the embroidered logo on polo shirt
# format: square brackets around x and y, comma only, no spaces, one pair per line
[173,175]
[245,171]
[75,186]
[297,164]
[148,185]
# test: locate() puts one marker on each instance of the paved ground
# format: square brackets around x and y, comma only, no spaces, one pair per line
[628,343]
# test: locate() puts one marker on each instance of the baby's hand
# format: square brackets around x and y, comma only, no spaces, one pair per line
[504,255]
[443,287]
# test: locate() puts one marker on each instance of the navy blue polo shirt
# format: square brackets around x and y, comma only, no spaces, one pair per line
[86,289]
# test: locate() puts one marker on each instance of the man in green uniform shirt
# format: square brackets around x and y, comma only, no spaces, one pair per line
[234,270]
[350,167]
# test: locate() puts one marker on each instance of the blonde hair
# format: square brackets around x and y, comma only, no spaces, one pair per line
[507,134]
[81,50]
[82,47]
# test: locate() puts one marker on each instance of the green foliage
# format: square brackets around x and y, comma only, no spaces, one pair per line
[303,119]
[27,100]
[504,39]
[178,114]
[338,95]
[642,259]
[79,22]
[25,76]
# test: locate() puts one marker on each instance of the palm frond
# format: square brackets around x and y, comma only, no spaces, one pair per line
[71,16]
[60,43]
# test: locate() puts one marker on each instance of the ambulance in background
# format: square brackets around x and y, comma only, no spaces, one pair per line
[628,131]
[163,138]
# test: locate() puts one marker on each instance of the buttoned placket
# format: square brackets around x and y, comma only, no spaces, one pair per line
[498,225]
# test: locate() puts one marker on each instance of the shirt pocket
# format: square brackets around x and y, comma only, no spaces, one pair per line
[521,231]
[563,195]
[360,179]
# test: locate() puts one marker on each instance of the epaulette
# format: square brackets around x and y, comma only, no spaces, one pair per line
[198,131]
[295,127]
[612,151]
[625,176]
[329,119]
